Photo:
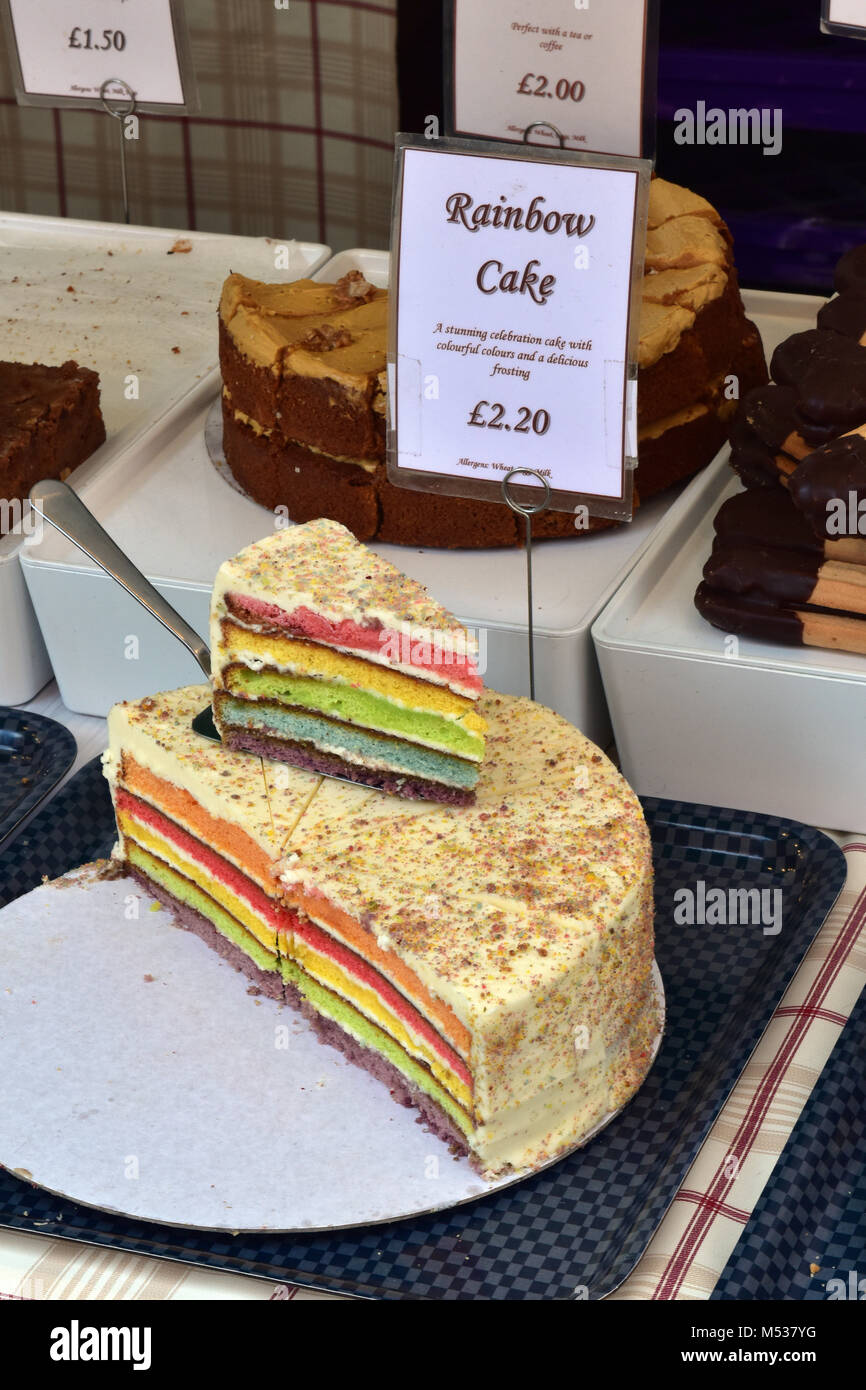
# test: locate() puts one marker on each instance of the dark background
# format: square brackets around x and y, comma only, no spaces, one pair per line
[792,214]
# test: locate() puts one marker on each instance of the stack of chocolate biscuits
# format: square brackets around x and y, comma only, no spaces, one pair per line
[789,559]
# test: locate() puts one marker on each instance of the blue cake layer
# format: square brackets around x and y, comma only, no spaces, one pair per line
[295,725]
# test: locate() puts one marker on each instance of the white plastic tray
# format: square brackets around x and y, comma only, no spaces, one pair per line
[114,299]
[178,520]
[702,716]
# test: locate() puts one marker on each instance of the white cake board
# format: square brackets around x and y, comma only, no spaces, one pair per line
[141,1078]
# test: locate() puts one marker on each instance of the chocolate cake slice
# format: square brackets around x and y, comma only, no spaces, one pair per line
[50,422]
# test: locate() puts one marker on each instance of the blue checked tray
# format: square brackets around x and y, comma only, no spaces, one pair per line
[578,1228]
[35,752]
[813,1209]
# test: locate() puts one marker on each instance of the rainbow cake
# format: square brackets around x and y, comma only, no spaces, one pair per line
[490,963]
[327,657]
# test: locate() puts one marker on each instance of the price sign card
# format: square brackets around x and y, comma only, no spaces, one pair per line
[515,299]
[583,71]
[64,50]
[844,17]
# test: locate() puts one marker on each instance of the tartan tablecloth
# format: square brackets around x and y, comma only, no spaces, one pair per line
[294,136]
[695,1240]
[707,1216]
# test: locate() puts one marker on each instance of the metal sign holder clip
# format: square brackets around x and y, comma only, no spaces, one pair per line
[120,114]
[544,125]
[528,510]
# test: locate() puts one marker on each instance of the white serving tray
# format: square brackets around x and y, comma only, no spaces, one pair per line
[113,299]
[702,716]
[178,520]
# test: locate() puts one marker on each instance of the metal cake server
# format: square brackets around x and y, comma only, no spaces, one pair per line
[62,508]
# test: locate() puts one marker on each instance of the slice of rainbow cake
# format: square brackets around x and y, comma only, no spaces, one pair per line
[327,657]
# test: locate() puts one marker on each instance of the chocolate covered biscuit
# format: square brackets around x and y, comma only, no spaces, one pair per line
[846,314]
[766,414]
[764,442]
[850,273]
[789,578]
[768,516]
[829,486]
[828,374]
[767,622]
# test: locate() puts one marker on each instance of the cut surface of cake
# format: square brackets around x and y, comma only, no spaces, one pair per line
[491,964]
[304,388]
[327,657]
[50,422]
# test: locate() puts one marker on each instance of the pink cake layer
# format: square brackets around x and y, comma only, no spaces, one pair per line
[303,622]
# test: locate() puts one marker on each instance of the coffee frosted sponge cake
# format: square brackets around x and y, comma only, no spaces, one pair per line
[327,657]
[491,964]
[305,388]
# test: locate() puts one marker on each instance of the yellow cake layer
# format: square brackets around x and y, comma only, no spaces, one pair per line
[172,855]
[326,663]
[367,1001]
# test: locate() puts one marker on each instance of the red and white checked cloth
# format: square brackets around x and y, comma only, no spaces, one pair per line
[704,1223]
[695,1240]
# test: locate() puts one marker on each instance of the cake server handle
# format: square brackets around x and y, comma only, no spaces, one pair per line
[64,509]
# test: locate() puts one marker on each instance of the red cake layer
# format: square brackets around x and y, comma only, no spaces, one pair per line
[399,1005]
[218,868]
[303,622]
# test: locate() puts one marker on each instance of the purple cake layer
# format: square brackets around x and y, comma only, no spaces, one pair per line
[268,981]
[402,1090]
[313,760]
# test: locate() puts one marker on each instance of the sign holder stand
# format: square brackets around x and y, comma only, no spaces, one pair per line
[526,490]
[528,511]
[120,115]
[544,125]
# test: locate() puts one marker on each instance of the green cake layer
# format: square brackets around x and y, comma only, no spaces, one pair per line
[367,748]
[370,1035]
[185,891]
[359,707]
